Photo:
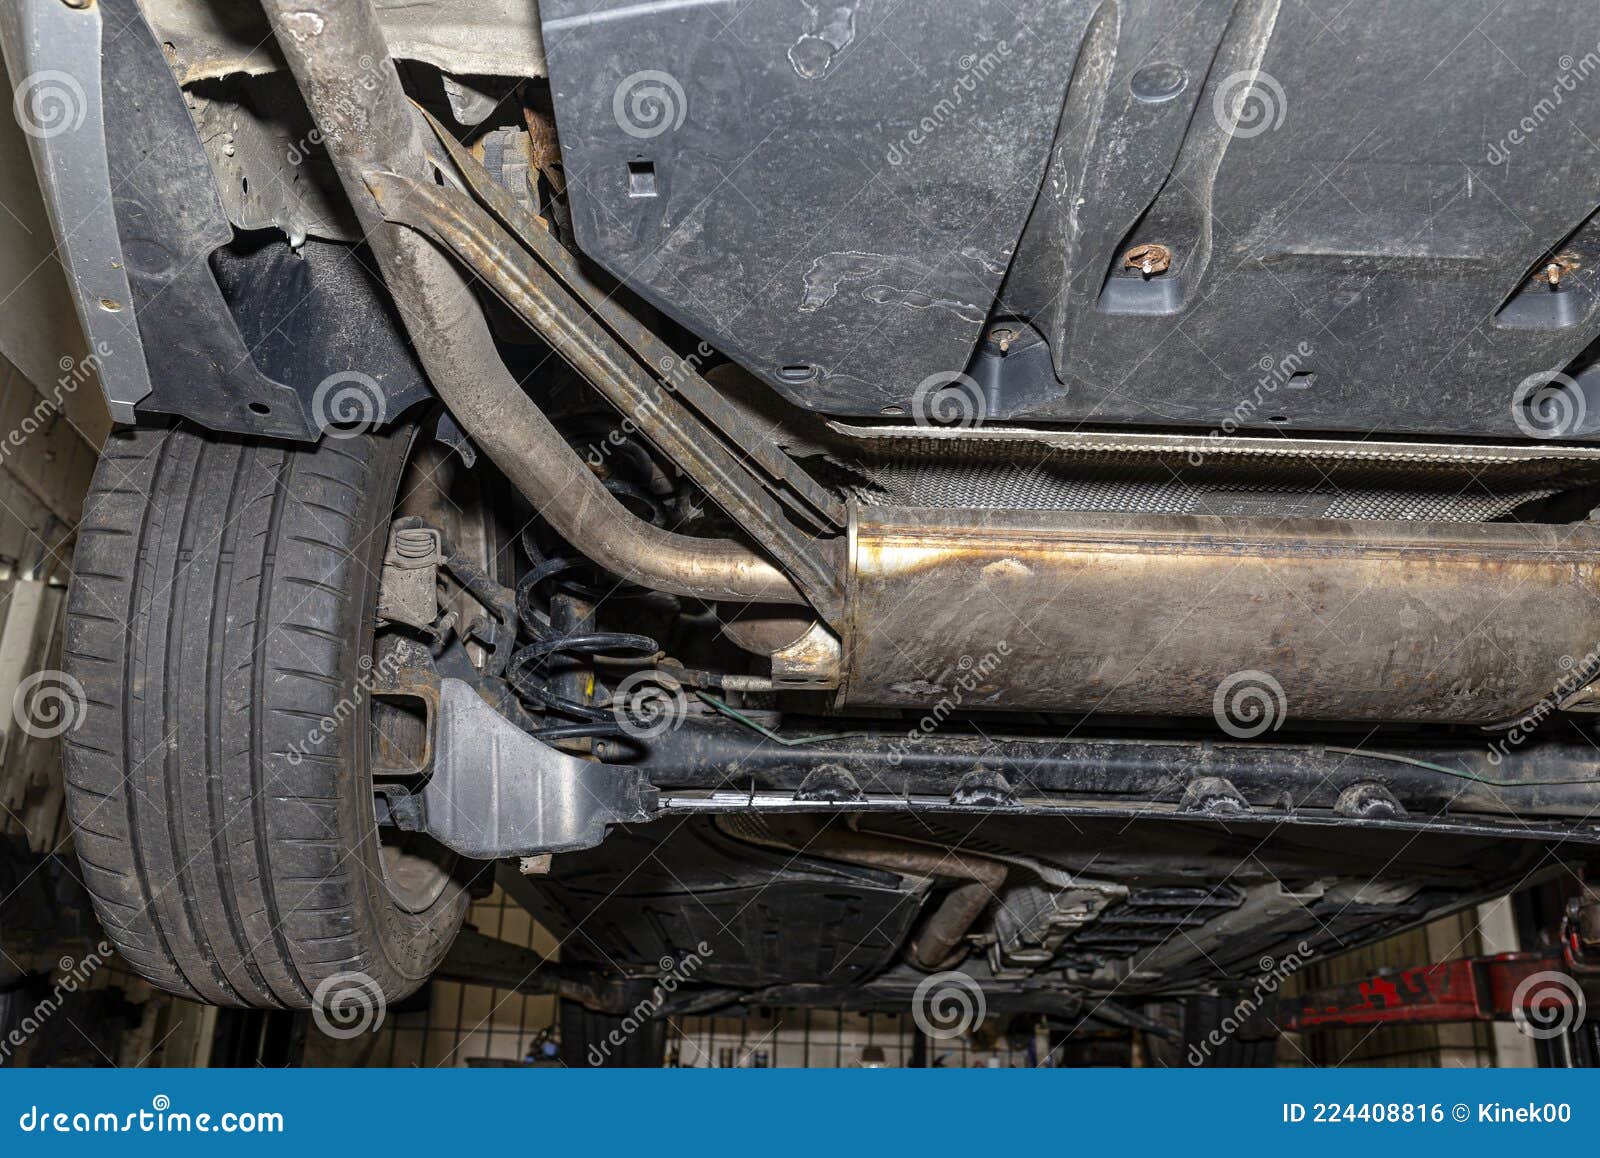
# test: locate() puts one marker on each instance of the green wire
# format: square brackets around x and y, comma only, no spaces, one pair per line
[786,741]
[1398,759]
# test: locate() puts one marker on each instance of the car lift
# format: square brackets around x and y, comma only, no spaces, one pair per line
[1549,992]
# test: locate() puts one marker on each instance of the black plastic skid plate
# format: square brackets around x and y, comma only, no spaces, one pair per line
[839,194]
[829,192]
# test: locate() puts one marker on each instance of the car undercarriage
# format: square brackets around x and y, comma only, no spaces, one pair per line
[844,494]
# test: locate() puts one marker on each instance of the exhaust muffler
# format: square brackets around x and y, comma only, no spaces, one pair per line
[1177,615]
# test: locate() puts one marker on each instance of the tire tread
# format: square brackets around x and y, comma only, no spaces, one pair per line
[219,594]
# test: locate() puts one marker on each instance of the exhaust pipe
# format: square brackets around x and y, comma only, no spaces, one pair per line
[336,50]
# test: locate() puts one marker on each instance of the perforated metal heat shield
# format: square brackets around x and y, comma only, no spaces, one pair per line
[1160,474]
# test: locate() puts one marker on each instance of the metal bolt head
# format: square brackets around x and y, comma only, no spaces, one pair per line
[1003,336]
[1559,266]
[1149,259]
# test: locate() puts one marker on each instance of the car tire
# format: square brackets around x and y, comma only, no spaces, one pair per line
[220,623]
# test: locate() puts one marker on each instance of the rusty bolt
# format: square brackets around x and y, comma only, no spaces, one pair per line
[1003,336]
[1559,266]
[1149,259]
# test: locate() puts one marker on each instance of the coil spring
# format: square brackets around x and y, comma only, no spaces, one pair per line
[522,674]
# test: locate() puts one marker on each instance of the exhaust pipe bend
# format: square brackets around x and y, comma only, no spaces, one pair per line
[336,50]
[937,942]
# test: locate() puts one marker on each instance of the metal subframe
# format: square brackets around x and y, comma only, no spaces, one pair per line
[1542,790]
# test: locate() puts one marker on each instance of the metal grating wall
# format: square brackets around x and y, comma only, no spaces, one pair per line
[465,1025]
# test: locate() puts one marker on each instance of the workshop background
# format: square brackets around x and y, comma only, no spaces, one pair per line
[65,1000]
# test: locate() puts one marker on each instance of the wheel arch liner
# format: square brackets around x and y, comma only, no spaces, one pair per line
[135,209]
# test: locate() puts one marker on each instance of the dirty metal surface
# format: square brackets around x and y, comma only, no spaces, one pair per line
[1154,615]
[1552,779]
[530,289]
[499,37]
[496,791]
[1008,442]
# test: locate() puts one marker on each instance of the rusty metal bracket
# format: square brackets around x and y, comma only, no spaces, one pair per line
[455,222]
[804,496]
[404,673]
